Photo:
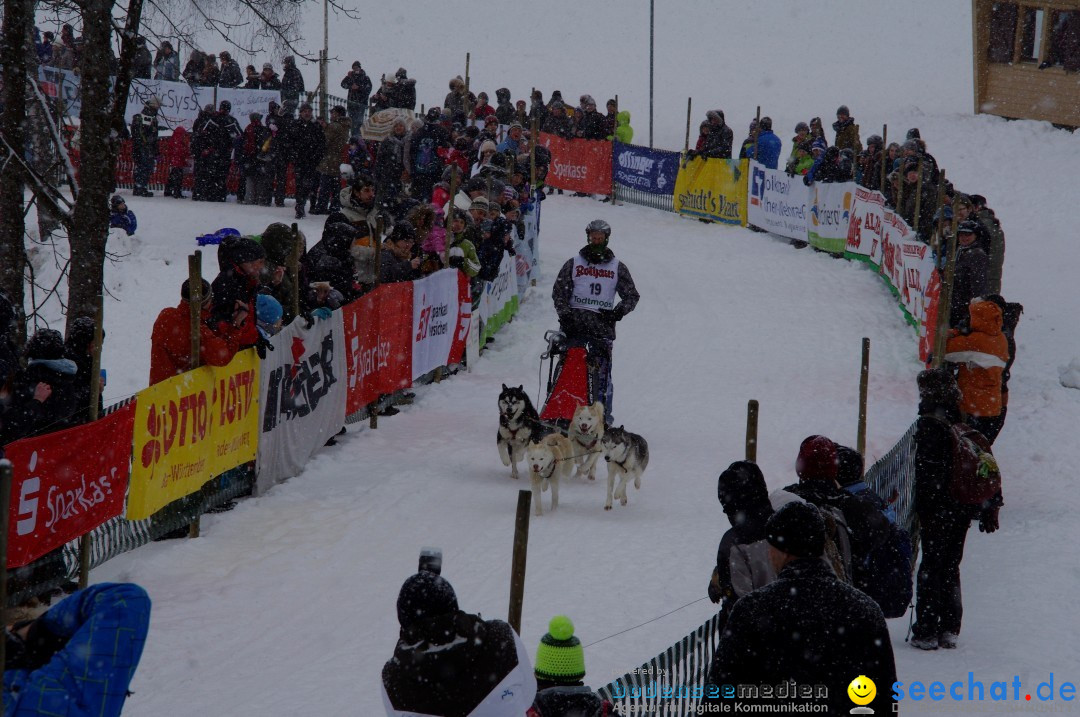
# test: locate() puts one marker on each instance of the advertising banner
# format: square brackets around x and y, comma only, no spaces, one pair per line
[578,165]
[62,86]
[67,483]
[244,102]
[190,428]
[378,343]
[712,189]
[894,233]
[442,310]
[301,396]
[864,229]
[929,322]
[644,169]
[180,102]
[918,266]
[830,214]
[777,203]
[500,299]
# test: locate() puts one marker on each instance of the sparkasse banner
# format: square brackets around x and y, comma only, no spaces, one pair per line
[442,314]
[578,165]
[777,202]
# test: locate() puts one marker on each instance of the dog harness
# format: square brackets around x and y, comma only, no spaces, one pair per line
[551,470]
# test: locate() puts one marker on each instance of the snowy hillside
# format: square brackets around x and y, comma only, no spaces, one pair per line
[288,601]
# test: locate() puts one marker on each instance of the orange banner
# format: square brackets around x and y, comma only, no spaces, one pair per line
[578,165]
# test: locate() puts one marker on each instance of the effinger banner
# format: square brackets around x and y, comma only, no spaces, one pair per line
[778,203]
[67,483]
[644,169]
[190,428]
[578,165]
[302,397]
[712,189]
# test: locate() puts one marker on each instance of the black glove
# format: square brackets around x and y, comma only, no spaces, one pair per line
[33,652]
[988,520]
[261,346]
[715,593]
[609,316]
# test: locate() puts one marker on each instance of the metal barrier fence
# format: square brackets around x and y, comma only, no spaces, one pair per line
[623,193]
[893,478]
[672,682]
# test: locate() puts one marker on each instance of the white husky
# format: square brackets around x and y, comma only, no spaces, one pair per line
[548,460]
[586,431]
[627,456]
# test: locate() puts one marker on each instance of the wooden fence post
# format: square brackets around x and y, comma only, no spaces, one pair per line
[95,390]
[373,419]
[294,275]
[945,299]
[757,132]
[521,549]
[751,430]
[864,382]
[689,102]
[884,154]
[918,198]
[195,299]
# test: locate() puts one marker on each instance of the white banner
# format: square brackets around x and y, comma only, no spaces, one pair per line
[830,214]
[303,391]
[180,102]
[500,293]
[918,265]
[244,102]
[435,320]
[894,234]
[864,230]
[778,203]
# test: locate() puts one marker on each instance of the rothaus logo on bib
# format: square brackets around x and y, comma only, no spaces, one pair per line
[594,285]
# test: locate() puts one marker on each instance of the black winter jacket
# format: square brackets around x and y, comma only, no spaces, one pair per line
[970,280]
[308,143]
[809,627]
[25,417]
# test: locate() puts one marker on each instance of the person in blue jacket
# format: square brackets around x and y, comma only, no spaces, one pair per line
[768,145]
[120,216]
[79,657]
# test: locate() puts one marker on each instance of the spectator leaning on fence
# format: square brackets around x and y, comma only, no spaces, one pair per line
[42,395]
[170,342]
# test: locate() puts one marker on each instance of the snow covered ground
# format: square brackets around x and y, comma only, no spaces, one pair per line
[286,605]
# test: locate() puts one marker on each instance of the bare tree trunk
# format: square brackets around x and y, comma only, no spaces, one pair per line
[18,20]
[99,133]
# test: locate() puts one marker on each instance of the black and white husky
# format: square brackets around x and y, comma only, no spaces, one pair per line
[519,423]
[627,456]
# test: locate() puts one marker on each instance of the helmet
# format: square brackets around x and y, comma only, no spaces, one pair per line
[598,225]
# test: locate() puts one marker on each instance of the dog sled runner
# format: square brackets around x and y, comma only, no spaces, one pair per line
[571,379]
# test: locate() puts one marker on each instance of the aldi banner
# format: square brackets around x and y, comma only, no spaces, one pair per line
[442,310]
[190,428]
[830,214]
[777,203]
[578,165]
[378,344]
[302,393]
[864,229]
[712,189]
[500,299]
[644,169]
[67,483]
[918,267]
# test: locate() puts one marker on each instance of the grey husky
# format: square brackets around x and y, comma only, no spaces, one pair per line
[627,456]
[518,424]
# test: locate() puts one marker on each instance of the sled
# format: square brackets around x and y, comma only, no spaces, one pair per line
[571,380]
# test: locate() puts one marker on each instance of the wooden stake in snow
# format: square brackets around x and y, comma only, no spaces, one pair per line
[521,549]
[751,430]
[864,381]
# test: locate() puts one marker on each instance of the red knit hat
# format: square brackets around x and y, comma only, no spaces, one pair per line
[817,459]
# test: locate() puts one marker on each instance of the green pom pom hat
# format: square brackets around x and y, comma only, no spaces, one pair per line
[560,656]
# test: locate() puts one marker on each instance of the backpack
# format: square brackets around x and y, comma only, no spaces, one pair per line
[885,573]
[975,475]
[427,160]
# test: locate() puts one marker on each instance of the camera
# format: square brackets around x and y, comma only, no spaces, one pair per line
[430,560]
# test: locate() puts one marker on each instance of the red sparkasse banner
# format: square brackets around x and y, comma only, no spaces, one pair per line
[578,165]
[67,483]
[378,343]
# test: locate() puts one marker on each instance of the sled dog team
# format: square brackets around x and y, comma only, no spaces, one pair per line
[550,456]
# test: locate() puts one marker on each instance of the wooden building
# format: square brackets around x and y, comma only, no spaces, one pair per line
[1027,59]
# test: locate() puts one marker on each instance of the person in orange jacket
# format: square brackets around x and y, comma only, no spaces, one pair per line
[981,356]
[170,343]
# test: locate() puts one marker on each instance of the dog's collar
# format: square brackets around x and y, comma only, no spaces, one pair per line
[587,446]
[551,470]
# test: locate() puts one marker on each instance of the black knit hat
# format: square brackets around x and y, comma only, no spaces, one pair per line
[797,529]
[425,595]
[46,345]
[741,486]
[247,249]
[849,466]
[938,386]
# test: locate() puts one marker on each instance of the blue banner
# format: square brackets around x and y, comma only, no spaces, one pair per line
[647,170]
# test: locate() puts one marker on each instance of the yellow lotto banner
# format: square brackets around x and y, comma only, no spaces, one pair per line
[712,189]
[191,428]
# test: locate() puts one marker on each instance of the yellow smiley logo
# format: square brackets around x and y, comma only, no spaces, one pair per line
[862,690]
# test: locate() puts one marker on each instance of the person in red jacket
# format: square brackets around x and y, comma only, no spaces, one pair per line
[170,343]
